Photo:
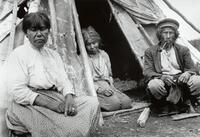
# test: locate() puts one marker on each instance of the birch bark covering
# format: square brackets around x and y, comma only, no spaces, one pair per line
[66,44]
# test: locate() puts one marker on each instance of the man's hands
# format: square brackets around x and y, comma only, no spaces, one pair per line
[167,79]
[184,77]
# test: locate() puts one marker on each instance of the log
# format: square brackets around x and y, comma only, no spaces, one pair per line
[183,17]
[83,52]
[184,116]
[136,107]
[143,117]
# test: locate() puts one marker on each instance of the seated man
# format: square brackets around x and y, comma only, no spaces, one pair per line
[169,69]
[109,97]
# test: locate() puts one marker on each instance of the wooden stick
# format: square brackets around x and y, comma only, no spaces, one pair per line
[53,21]
[180,14]
[143,117]
[83,52]
[137,107]
[13,28]
[184,116]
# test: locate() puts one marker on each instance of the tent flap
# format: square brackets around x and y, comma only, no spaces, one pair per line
[144,11]
[135,39]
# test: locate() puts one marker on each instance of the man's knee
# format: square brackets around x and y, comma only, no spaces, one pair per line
[194,85]
[155,86]
[194,80]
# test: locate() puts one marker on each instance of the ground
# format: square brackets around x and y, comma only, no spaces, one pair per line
[125,125]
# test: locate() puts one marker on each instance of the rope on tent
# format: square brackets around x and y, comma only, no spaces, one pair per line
[13,27]
[84,56]
[53,21]
[183,17]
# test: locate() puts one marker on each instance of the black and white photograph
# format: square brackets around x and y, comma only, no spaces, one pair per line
[99,68]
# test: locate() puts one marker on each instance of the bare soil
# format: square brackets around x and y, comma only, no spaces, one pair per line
[125,125]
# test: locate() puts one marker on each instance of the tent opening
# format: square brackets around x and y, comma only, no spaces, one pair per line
[98,14]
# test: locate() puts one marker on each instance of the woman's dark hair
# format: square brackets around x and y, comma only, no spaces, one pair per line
[35,20]
[159,31]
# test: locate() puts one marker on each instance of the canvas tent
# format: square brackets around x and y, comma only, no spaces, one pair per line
[126,26]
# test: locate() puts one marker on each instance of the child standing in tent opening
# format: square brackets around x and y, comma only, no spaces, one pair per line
[170,73]
[109,97]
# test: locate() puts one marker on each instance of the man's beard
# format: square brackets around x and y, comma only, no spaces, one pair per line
[169,42]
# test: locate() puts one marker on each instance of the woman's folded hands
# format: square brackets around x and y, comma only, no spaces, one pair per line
[67,107]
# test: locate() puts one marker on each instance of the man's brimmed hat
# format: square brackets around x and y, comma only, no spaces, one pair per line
[168,22]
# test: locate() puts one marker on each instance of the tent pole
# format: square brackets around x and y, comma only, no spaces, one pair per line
[13,28]
[53,21]
[180,14]
[83,52]
[84,56]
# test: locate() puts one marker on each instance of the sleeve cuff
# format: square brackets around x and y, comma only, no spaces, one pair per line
[191,72]
[65,92]
[33,97]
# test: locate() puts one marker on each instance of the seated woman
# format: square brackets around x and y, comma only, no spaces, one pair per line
[109,97]
[43,100]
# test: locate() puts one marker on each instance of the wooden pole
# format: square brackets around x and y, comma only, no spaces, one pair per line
[183,17]
[53,21]
[83,52]
[13,28]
